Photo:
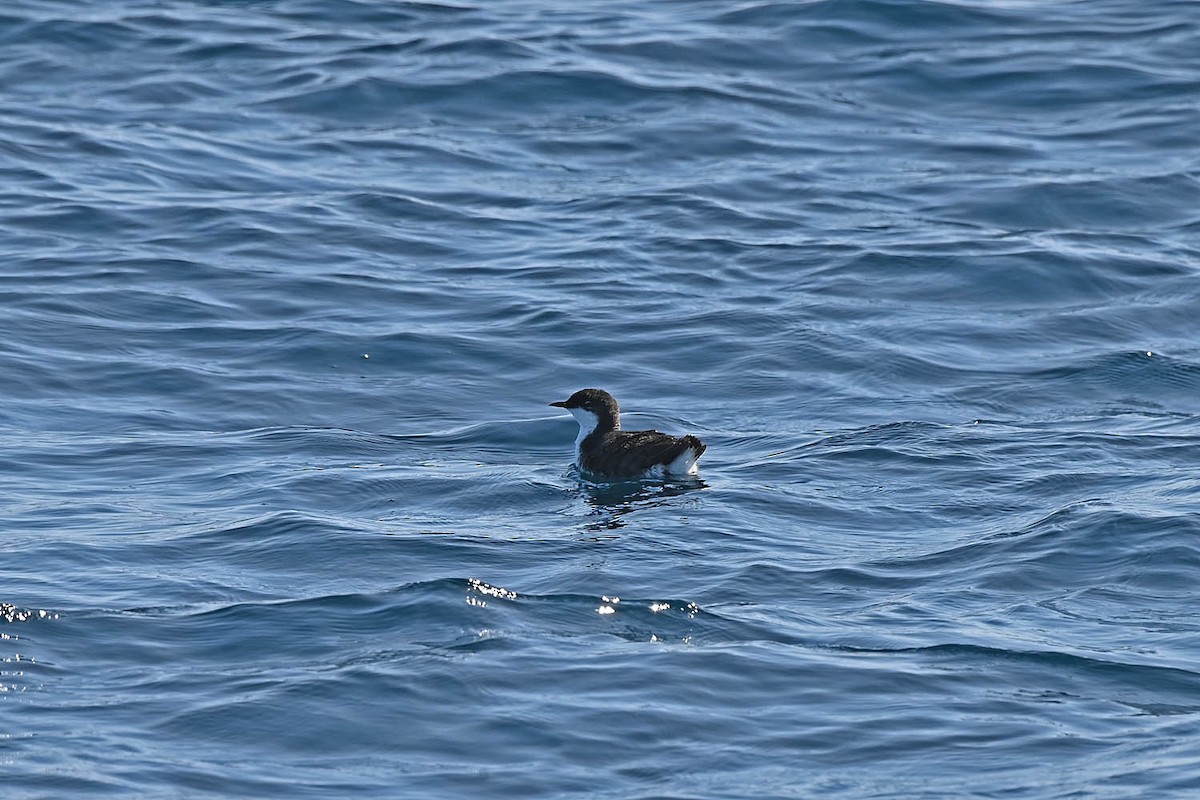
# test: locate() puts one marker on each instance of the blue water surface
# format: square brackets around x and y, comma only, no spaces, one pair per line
[287,286]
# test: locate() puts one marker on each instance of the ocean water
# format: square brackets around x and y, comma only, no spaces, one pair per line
[287,286]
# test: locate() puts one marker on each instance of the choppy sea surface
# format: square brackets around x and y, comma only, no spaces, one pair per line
[286,287]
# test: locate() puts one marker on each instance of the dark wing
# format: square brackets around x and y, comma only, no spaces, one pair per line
[631,453]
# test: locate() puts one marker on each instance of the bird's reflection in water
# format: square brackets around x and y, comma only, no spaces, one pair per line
[610,502]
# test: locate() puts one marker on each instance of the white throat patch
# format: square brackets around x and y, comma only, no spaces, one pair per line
[587,423]
[586,419]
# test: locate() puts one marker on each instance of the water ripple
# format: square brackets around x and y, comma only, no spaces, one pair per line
[288,286]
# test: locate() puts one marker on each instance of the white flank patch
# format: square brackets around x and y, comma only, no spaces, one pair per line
[684,463]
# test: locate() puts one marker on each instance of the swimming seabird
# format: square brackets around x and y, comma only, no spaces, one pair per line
[603,450]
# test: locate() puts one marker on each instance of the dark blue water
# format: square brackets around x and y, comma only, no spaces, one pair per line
[287,286]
